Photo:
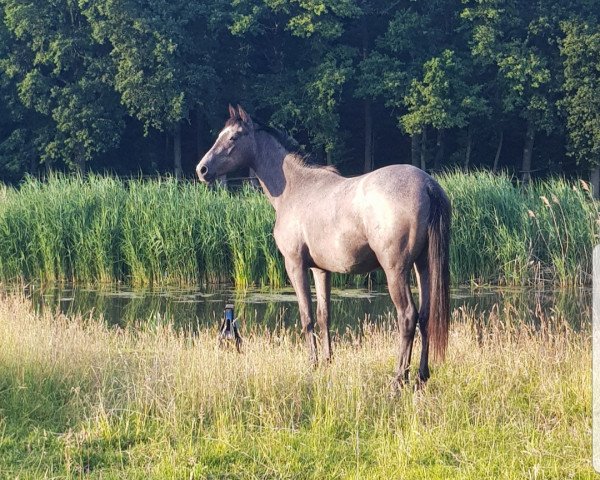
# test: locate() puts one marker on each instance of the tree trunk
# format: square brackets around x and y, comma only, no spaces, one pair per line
[80,165]
[469,146]
[167,159]
[33,165]
[415,152]
[177,152]
[48,165]
[80,161]
[368,137]
[439,150]
[368,165]
[329,157]
[424,150]
[199,152]
[498,151]
[528,152]
[595,181]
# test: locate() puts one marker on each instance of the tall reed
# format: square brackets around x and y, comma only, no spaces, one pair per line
[103,229]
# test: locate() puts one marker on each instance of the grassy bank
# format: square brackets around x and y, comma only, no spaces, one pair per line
[158,232]
[80,399]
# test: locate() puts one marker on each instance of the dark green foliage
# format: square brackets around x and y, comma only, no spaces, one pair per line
[80,82]
[581,51]
[63,77]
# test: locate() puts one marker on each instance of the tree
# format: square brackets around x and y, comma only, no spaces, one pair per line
[415,34]
[517,40]
[160,54]
[581,52]
[60,74]
[299,65]
[13,138]
[443,99]
[370,25]
[129,85]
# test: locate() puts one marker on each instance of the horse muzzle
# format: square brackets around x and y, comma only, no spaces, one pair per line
[204,174]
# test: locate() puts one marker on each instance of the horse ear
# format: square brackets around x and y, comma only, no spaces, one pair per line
[243,115]
[232,112]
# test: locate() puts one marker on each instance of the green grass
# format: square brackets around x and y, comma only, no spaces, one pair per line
[103,229]
[80,399]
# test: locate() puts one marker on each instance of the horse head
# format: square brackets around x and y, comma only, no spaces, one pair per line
[234,148]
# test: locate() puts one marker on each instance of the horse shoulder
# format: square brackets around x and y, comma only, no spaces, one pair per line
[287,238]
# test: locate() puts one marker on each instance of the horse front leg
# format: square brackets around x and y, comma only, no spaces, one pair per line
[299,277]
[323,290]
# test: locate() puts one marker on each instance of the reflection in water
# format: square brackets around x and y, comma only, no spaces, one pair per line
[255,308]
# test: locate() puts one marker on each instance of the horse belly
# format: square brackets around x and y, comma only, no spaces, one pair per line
[344,255]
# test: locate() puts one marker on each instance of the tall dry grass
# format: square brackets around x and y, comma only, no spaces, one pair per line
[78,398]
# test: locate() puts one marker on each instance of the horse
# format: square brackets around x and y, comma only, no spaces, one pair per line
[394,218]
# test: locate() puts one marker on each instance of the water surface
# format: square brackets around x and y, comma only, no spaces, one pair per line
[196,308]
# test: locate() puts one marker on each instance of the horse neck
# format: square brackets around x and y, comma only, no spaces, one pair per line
[270,165]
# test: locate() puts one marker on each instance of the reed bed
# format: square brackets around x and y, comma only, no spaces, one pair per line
[81,399]
[514,235]
[104,229]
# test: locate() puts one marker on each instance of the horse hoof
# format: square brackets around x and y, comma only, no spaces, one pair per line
[396,387]
[326,361]
[420,385]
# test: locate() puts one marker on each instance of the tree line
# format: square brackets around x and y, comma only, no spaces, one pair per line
[141,87]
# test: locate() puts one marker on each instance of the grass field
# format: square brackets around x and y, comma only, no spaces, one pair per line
[103,229]
[80,399]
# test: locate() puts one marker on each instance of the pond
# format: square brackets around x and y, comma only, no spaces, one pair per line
[198,308]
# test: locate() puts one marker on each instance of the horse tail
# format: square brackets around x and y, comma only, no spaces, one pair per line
[439,270]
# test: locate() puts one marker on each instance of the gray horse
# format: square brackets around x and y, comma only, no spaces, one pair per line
[392,218]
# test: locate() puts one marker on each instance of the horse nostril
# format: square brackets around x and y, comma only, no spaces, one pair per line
[201,171]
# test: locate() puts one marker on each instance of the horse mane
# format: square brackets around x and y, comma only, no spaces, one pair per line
[287,141]
[292,145]
[302,161]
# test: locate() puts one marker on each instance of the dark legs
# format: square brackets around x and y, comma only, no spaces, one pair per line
[423,279]
[399,287]
[299,278]
[323,289]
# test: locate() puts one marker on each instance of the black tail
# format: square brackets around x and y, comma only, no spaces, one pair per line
[439,271]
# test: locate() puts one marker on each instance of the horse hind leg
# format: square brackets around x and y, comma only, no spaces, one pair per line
[422,269]
[399,288]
